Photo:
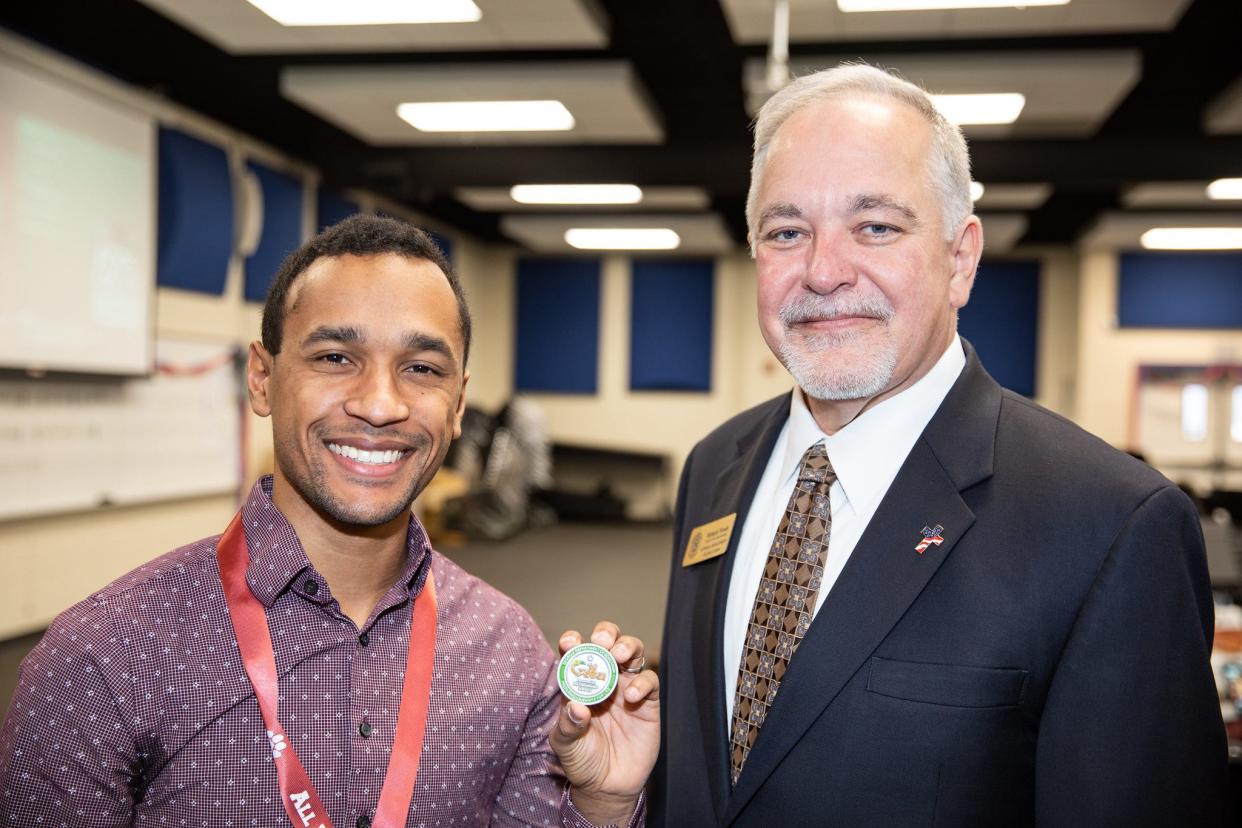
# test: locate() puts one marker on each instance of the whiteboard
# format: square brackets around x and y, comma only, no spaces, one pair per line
[77,226]
[75,444]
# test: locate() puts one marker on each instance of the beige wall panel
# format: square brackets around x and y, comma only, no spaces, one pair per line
[488,276]
[1109,357]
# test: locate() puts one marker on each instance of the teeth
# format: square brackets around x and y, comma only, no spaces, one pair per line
[372,458]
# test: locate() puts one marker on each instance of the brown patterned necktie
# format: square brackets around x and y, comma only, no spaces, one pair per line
[785,601]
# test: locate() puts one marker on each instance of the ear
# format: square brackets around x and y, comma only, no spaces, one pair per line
[258,376]
[461,405]
[967,248]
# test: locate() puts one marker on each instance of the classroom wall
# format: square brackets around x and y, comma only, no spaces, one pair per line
[487,274]
[664,421]
[1056,362]
[48,563]
[1108,357]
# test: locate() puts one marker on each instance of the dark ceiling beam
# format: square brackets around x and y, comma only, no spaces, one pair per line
[442,168]
[1183,71]
[1065,216]
[1107,159]
[694,81]
[1065,163]
[852,49]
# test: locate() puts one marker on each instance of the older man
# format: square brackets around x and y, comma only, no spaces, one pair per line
[319,663]
[902,595]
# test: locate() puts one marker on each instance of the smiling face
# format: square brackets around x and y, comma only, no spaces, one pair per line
[858,287]
[367,391]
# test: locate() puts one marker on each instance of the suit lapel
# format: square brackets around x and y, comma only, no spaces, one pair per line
[735,488]
[884,574]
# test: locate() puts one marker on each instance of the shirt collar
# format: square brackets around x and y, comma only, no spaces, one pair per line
[867,453]
[277,557]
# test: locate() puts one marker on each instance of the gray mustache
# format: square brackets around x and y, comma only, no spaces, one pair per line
[807,308]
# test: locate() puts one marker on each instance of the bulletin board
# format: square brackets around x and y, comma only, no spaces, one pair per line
[77,444]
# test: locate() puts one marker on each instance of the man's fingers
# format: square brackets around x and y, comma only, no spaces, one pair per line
[645,685]
[569,639]
[605,634]
[628,651]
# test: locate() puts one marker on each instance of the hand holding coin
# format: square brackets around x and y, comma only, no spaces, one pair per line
[608,732]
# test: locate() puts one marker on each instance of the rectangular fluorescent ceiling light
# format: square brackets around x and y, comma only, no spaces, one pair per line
[622,238]
[487,116]
[993,108]
[367,12]
[576,194]
[1225,188]
[1192,238]
[924,5]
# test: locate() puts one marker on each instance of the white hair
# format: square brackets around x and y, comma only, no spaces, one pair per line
[950,161]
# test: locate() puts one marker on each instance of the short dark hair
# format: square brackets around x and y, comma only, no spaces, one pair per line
[358,235]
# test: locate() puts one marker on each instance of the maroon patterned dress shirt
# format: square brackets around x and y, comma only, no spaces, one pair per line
[135,708]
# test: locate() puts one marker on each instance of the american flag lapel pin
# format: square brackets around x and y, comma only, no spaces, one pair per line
[931,534]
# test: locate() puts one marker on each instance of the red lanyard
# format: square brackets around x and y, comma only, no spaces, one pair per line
[302,803]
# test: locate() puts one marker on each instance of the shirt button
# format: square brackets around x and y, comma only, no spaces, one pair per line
[364,639]
[364,730]
[311,587]
[364,821]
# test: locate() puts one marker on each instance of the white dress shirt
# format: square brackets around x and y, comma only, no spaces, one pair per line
[866,455]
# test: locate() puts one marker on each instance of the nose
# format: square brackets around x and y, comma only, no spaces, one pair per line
[829,265]
[376,398]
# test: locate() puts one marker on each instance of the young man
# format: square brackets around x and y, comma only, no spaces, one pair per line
[319,664]
[931,602]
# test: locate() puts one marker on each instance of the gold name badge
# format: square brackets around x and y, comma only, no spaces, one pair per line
[709,540]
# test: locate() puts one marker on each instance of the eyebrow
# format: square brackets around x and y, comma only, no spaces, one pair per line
[349,335]
[868,201]
[427,342]
[781,209]
[324,333]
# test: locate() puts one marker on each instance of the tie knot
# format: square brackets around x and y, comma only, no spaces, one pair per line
[815,467]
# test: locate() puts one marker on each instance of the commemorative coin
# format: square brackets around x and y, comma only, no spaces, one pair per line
[587,674]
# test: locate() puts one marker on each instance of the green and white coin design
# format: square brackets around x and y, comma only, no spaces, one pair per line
[587,674]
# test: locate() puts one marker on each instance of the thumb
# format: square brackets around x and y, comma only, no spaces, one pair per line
[571,725]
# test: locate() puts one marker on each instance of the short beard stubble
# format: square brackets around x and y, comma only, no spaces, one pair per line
[313,486]
[810,358]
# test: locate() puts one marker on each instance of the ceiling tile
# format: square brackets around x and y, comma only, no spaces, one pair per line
[700,234]
[496,200]
[240,28]
[1122,230]
[604,97]
[819,21]
[1067,93]
[1175,194]
[1013,196]
[1001,231]
[1224,115]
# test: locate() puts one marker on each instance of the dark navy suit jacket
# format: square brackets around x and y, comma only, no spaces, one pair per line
[1047,664]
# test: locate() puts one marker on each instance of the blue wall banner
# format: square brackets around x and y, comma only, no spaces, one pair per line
[557,325]
[195,214]
[671,325]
